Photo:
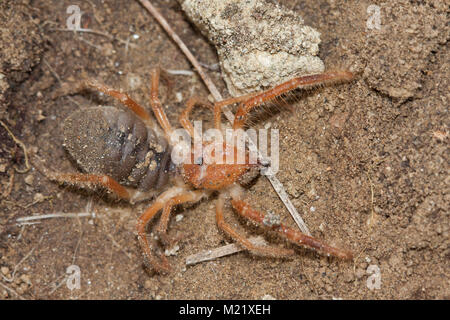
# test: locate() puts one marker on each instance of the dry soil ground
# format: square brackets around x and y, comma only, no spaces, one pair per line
[370,157]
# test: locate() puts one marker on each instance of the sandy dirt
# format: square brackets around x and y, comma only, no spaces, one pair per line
[365,162]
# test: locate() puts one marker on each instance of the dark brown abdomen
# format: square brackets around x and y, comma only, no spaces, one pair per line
[115,142]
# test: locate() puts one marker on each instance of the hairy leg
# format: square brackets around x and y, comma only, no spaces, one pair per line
[156,104]
[259,250]
[296,83]
[189,196]
[290,234]
[184,116]
[150,260]
[124,99]
[92,180]
[218,106]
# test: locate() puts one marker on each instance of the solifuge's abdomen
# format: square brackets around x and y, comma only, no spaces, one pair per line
[115,142]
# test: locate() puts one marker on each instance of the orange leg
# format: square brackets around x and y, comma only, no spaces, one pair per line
[296,83]
[184,116]
[219,105]
[156,104]
[180,196]
[123,98]
[292,235]
[259,250]
[191,196]
[88,180]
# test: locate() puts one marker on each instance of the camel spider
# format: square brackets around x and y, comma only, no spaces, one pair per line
[126,152]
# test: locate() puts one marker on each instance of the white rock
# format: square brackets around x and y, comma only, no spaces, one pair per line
[260,44]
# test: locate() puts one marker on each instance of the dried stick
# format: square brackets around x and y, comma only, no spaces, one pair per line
[277,185]
[21,261]
[226,250]
[99,33]
[56,215]
[8,191]
[21,144]
[12,290]
[59,80]
[211,87]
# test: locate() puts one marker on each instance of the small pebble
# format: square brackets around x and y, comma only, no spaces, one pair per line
[29,179]
[108,49]
[134,81]
[172,251]
[26,279]
[38,197]
[40,116]
[348,277]
[4,270]
[359,273]
[147,284]
[22,288]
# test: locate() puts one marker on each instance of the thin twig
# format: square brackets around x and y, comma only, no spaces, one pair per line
[372,216]
[78,243]
[99,33]
[26,206]
[226,250]
[211,87]
[59,80]
[21,144]
[12,290]
[28,224]
[212,67]
[180,72]
[56,215]
[58,285]
[44,198]
[21,261]
[8,191]
[90,44]
[115,243]
[277,185]
[94,9]
[21,232]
